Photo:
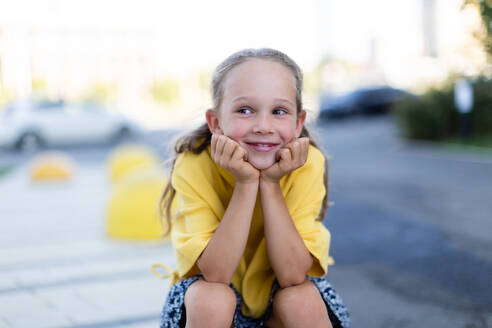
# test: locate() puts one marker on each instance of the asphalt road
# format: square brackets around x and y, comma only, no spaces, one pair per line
[411,224]
[411,227]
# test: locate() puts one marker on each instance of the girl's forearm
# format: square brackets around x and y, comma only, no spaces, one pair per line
[225,249]
[289,257]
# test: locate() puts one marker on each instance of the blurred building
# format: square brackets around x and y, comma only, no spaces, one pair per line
[66,60]
[56,50]
[62,50]
[406,43]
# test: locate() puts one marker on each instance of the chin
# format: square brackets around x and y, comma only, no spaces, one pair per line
[261,164]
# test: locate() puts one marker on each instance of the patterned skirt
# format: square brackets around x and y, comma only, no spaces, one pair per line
[174,315]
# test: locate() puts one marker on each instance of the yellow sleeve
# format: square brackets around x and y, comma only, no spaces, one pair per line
[304,199]
[197,210]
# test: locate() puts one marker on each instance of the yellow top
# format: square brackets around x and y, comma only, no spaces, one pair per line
[203,191]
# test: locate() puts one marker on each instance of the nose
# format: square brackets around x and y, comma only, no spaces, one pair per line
[263,124]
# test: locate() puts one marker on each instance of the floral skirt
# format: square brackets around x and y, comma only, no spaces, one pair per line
[174,315]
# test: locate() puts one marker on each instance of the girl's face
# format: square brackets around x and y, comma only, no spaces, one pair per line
[258,110]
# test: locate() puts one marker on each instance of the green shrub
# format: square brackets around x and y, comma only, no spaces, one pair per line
[427,117]
[482,109]
[433,115]
[4,171]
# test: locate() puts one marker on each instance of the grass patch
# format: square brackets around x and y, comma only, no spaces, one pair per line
[482,141]
[481,144]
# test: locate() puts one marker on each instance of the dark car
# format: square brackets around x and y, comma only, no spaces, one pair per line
[365,101]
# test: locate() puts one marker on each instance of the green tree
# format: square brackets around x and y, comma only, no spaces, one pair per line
[166,91]
[485,9]
[5,97]
[100,93]
[38,84]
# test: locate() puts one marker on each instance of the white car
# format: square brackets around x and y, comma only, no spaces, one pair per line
[28,125]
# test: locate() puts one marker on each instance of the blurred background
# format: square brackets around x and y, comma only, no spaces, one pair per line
[93,93]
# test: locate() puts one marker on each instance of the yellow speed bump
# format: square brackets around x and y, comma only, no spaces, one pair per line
[127,157]
[51,166]
[132,211]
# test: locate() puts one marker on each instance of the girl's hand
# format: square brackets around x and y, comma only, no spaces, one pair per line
[289,158]
[231,156]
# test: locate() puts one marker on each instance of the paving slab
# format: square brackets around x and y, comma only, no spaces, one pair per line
[57,266]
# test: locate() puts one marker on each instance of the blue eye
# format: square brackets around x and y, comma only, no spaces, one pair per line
[279,111]
[244,110]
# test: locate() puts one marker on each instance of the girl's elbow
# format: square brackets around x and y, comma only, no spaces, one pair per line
[291,280]
[295,277]
[213,274]
[216,277]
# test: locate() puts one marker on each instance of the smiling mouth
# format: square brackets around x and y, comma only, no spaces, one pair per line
[262,147]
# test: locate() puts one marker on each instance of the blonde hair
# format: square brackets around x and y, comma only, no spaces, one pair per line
[197,140]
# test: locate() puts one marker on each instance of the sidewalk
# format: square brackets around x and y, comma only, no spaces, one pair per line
[57,267]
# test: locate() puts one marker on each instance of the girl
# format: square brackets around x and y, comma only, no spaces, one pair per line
[246,196]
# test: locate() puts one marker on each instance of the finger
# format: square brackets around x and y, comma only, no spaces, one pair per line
[285,154]
[294,148]
[300,151]
[229,147]
[246,154]
[304,142]
[213,143]
[240,154]
[304,148]
[277,155]
[221,140]
[217,150]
